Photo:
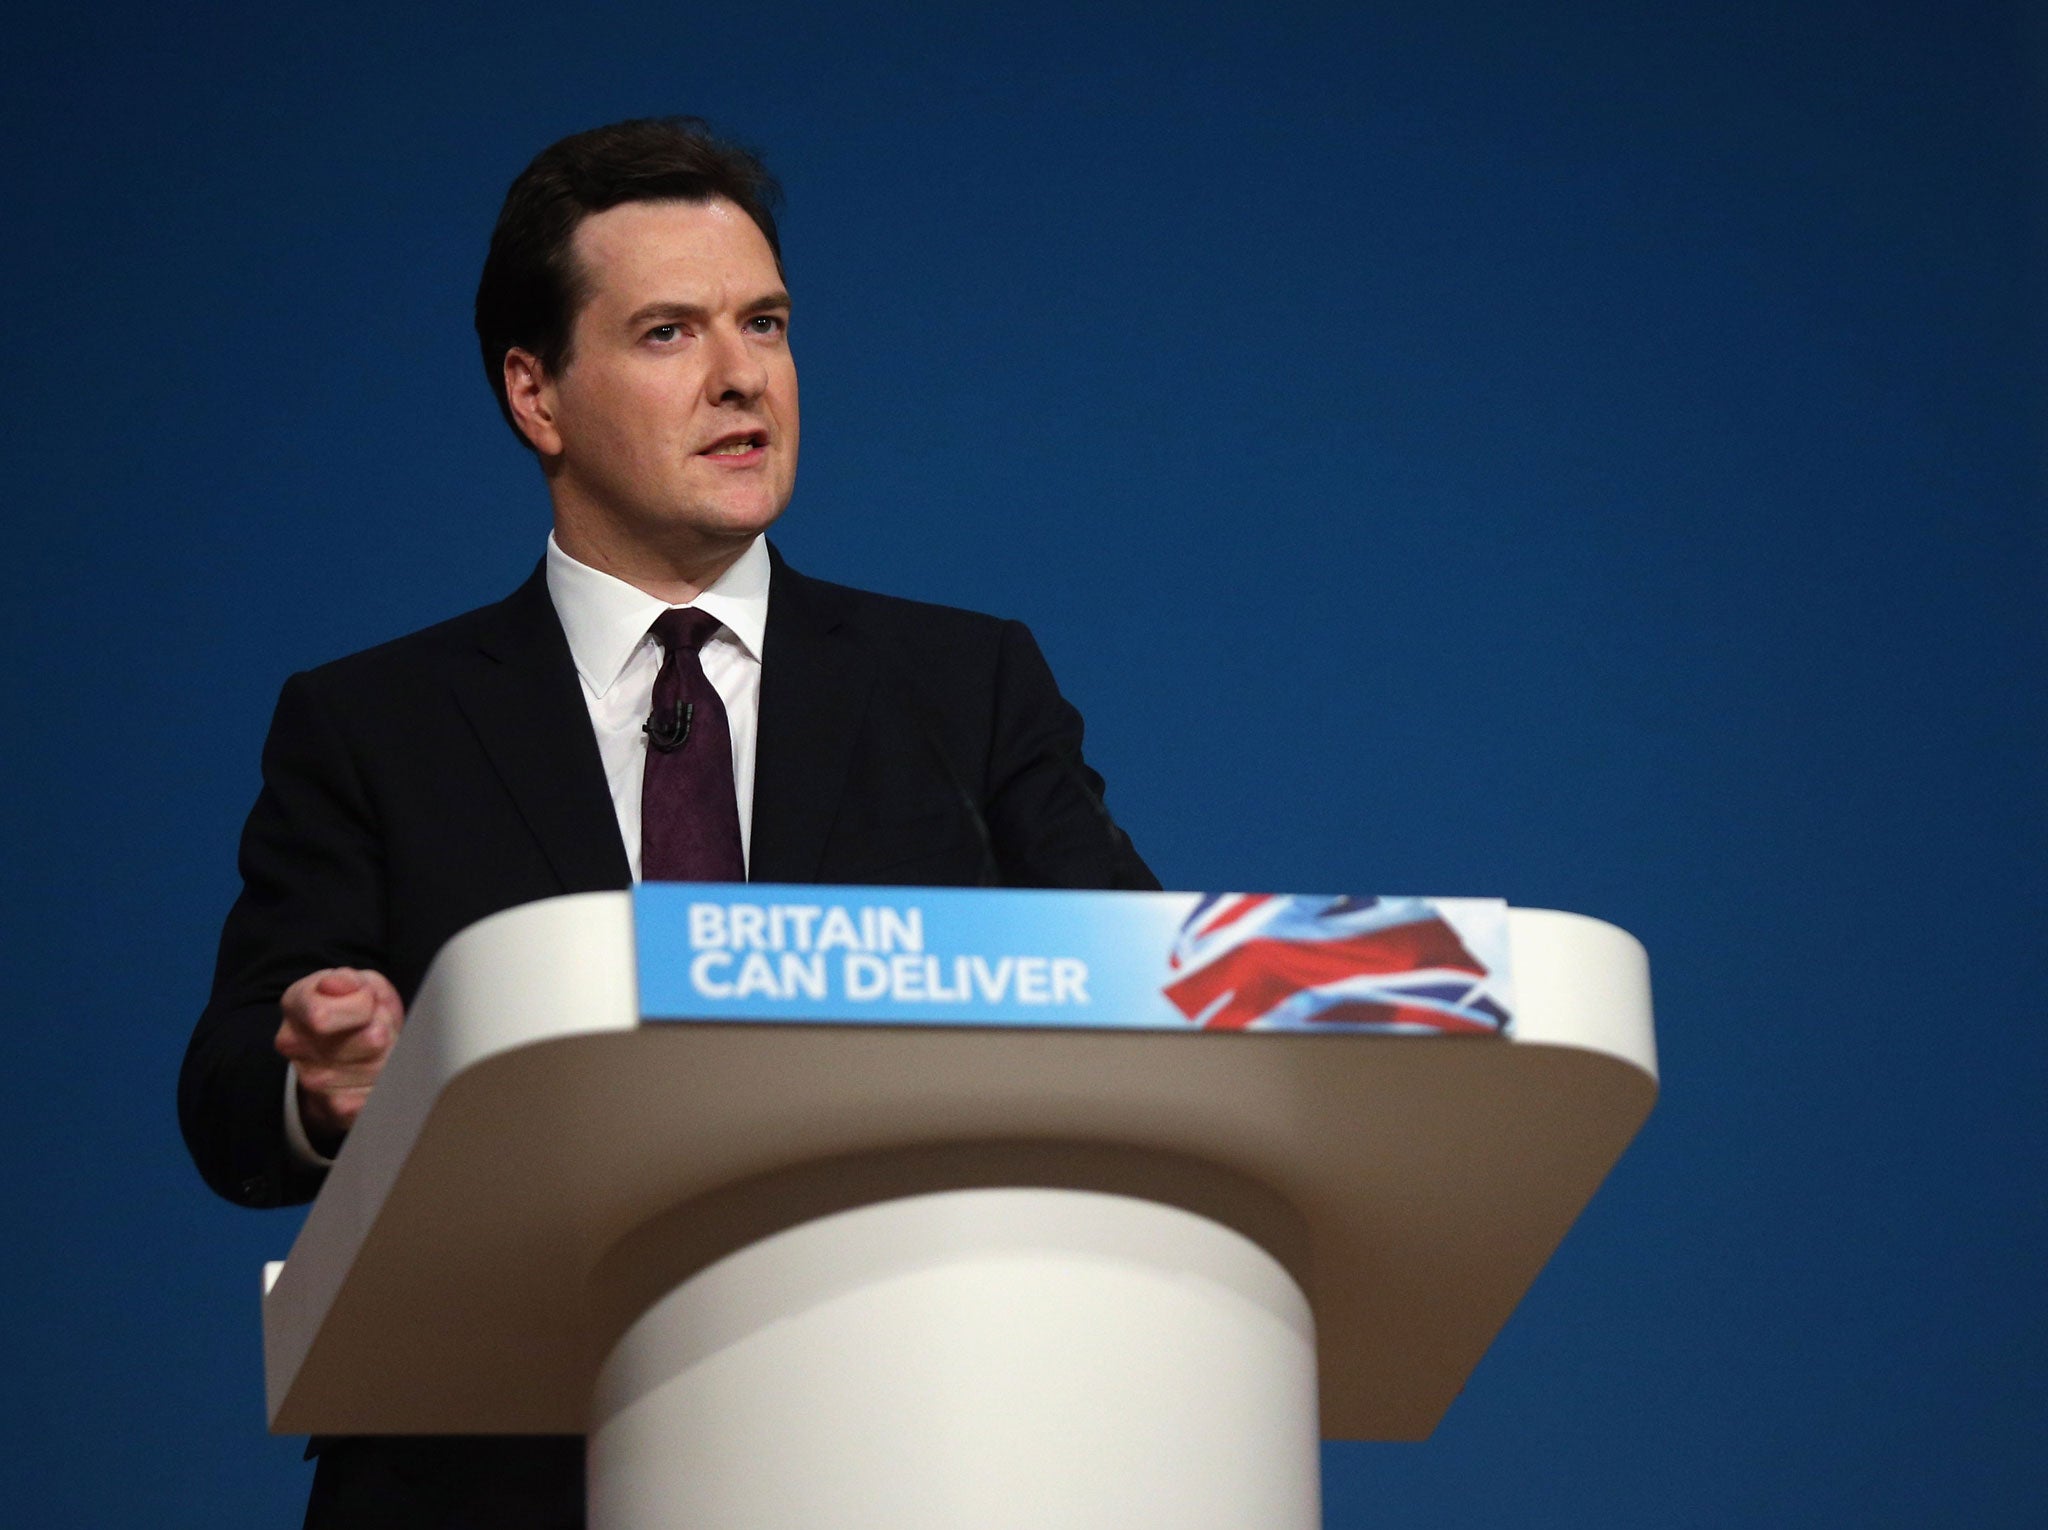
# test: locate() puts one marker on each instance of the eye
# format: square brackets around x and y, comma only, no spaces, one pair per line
[766,324]
[662,334]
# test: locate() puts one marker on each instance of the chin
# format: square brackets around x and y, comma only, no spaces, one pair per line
[750,517]
[727,523]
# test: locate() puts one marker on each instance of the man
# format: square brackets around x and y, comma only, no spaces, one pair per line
[664,697]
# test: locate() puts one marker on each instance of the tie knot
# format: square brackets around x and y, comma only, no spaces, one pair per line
[683,629]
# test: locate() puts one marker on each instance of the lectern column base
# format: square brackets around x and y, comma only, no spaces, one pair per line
[998,1359]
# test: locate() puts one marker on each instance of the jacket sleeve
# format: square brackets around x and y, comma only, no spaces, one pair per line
[312,897]
[1047,820]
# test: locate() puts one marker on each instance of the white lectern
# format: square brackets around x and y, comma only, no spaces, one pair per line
[904,1275]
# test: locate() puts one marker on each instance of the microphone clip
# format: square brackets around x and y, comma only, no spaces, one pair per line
[671,734]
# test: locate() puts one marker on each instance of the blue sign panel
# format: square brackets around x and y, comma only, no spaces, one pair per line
[1122,960]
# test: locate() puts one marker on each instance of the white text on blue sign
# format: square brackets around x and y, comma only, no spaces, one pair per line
[863,955]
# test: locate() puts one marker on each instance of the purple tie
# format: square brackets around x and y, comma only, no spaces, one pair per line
[689,818]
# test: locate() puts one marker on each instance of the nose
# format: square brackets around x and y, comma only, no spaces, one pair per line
[737,373]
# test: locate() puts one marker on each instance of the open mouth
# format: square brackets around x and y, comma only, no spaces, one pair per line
[737,446]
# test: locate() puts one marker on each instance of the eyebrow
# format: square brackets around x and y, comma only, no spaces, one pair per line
[674,309]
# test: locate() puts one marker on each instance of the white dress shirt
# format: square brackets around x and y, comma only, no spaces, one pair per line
[606,622]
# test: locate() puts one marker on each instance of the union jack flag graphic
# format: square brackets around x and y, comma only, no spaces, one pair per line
[1395,965]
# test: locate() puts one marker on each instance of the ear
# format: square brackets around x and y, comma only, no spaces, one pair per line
[530,393]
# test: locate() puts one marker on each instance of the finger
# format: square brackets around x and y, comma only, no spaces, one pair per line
[385,994]
[336,982]
[319,1037]
[321,1016]
[299,1043]
[371,1044]
[311,991]
[329,1082]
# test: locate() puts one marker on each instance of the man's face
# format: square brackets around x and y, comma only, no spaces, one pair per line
[673,426]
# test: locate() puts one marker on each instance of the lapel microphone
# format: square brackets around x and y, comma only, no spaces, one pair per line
[669,736]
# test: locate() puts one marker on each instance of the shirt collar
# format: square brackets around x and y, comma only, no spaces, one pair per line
[605,618]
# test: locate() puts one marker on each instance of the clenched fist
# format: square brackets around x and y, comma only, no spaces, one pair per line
[339,1026]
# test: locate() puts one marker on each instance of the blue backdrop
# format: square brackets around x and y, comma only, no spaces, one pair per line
[1585,453]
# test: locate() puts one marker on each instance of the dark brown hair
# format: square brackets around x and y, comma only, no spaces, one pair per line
[531,289]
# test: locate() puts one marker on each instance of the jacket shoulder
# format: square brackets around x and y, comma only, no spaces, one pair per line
[895,616]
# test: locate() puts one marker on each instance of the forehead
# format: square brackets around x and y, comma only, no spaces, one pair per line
[642,251]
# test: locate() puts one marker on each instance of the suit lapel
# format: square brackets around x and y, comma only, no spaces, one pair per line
[815,680]
[518,688]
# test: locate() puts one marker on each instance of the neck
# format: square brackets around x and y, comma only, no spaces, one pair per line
[676,574]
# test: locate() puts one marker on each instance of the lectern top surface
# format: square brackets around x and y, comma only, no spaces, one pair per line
[539,1109]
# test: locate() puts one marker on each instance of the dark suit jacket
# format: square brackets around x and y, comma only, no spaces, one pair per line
[410,790]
